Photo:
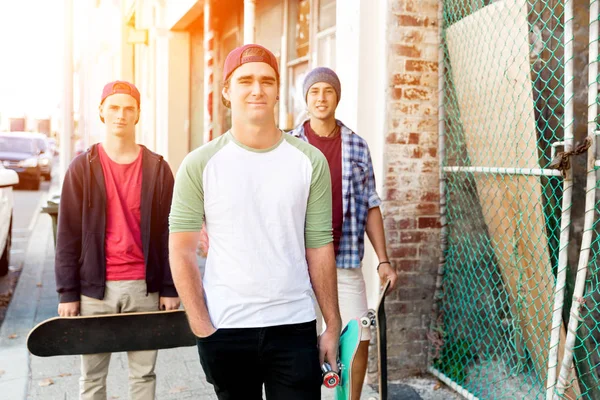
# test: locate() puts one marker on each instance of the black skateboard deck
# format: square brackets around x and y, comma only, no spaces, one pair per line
[110,333]
[377,318]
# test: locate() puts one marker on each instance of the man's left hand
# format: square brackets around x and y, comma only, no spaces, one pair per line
[329,343]
[387,272]
[169,303]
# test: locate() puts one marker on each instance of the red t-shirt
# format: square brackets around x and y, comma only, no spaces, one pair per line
[331,147]
[123,236]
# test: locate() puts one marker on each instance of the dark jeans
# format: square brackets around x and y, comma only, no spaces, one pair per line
[285,358]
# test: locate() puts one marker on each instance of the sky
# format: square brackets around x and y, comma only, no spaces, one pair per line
[31,56]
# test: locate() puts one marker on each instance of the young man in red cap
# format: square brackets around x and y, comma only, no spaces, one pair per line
[355,203]
[112,240]
[266,199]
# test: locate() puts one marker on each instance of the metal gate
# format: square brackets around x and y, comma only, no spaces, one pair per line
[581,364]
[506,75]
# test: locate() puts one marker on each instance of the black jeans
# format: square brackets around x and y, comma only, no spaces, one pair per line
[285,358]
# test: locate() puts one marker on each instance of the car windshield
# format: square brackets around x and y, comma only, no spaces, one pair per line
[16,145]
[41,144]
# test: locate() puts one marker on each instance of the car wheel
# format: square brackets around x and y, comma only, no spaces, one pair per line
[5,259]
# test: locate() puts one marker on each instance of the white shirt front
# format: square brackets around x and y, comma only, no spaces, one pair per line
[255,205]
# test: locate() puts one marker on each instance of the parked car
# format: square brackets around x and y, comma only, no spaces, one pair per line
[8,179]
[46,157]
[20,152]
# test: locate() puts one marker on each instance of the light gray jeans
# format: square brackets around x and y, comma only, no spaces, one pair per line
[120,297]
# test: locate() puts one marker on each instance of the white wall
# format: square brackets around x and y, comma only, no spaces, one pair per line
[160,38]
[102,65]
[361,64]
[144,75]
[179,98]
[172,89]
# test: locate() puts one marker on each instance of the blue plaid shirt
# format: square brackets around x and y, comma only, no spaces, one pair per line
[358,194]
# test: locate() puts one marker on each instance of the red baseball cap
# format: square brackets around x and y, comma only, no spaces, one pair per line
[234,59]
[120,87]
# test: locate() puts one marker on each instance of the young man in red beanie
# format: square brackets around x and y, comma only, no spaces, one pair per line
[112,240]
[355,203]
[266,200]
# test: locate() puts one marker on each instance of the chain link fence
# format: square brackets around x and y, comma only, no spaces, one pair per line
[506,66]
[581,364]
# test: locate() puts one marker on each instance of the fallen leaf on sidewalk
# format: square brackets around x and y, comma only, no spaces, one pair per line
[437,386]
[13,336]
[64,374]
[178,389]
[5,298]
[114,397]
[2,372]
[39,285]
[46,382]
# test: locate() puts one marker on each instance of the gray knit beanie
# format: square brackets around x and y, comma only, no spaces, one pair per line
[322,74]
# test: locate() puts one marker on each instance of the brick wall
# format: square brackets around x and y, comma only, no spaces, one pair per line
[411,186]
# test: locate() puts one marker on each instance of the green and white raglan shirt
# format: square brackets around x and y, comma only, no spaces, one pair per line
[262,208]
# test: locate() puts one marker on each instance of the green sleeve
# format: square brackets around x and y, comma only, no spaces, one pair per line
[187,207]
[318,230]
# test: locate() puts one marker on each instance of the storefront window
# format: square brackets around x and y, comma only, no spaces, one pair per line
[325,36]
[296,103]
[326,50]
[302,28]
[326,14]
[308,28]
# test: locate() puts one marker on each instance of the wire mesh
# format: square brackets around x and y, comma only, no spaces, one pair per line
[581,365]
[586,350]
[584,324]
[504,118]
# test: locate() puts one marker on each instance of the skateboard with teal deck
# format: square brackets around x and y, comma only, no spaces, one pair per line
[349,342]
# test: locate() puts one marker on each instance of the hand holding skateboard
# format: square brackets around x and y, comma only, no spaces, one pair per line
[387,273]
[69,309]
[328,348]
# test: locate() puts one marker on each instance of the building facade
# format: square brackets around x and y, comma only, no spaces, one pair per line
[386,55]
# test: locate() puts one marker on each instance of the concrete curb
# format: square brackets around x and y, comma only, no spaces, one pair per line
[37,211]
[20,315]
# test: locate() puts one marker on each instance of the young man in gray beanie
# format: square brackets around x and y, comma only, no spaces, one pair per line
[355,203]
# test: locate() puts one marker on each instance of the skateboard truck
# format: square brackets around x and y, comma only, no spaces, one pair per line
[369,319]
[331,378]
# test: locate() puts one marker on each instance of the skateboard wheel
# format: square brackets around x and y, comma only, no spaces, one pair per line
[365,321]
[331,380]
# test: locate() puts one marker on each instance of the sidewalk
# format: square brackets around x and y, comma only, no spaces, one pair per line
[179,374]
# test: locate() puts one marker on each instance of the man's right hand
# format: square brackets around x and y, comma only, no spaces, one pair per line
[68,309]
